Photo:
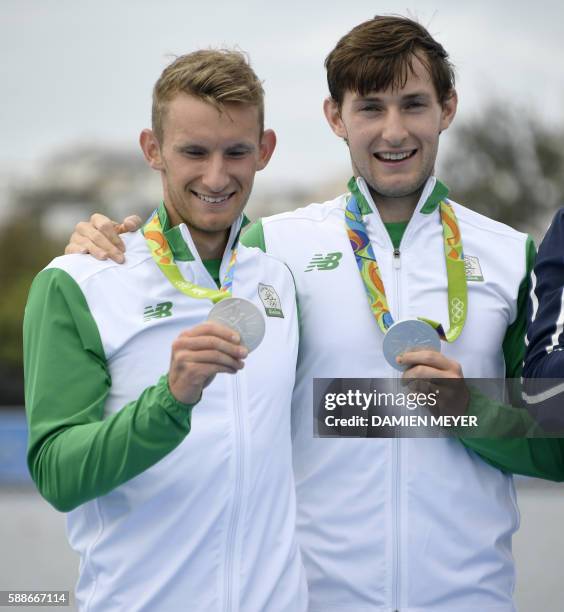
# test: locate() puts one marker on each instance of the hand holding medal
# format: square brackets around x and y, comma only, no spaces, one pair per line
[198,354]
[428,371]
[235,326]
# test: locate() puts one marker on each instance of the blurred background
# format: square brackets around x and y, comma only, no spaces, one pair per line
[75,83]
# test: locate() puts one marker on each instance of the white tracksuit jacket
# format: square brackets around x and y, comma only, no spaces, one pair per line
[211,526]
[417,525]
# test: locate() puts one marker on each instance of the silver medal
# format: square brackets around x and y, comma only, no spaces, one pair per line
[241,316]
[409,335]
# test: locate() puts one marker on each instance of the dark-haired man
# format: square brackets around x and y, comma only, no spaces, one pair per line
[396,524]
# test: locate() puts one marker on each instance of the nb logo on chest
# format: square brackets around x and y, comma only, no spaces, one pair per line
[324,262]
[164,309]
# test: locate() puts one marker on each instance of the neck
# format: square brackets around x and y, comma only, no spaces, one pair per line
[210,245]
[395,210]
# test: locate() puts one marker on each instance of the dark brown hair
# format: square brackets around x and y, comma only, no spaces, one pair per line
[216,76]
[379,53]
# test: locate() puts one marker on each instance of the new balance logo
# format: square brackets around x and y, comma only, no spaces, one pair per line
[324,262]
[157,312]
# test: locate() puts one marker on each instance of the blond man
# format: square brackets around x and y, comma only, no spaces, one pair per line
[121,365]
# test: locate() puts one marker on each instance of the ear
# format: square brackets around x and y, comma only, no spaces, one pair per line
[449,109]
[333,116]
[266,148]
[151,149]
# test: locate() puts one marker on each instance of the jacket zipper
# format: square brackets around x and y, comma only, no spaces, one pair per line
[396,471]
[236,508]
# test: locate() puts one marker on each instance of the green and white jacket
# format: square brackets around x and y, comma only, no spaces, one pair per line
[402,524]
[164,520]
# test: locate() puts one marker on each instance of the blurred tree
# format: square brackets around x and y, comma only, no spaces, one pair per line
[23,253]
[508,165]
[42,210]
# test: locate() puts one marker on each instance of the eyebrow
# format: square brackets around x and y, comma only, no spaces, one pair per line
[194,146]
[241,145]
[417,96]
[406,98]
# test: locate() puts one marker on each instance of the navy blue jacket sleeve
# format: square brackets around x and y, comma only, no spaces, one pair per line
[544,358]
[545,351]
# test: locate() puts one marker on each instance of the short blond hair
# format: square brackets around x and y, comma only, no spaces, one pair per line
[216,76]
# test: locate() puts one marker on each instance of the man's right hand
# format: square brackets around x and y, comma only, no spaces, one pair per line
[100,237]
[198,354]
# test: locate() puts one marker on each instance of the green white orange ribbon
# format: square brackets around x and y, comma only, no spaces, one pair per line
[162,254]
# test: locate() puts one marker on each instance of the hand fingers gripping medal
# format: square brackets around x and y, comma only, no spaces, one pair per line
[241,316]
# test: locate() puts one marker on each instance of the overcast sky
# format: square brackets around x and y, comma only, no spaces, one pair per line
[75,72]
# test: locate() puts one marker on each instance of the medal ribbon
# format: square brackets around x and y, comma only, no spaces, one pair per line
[372,279]
[162,254]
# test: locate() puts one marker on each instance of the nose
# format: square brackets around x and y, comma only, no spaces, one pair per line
[394,131]
[216,177]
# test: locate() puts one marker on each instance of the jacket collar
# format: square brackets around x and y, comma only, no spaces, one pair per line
[433,192]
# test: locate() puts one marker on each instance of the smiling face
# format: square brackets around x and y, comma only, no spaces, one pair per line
[393,135]
[207,160]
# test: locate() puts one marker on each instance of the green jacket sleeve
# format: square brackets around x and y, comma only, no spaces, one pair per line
[514,341]
[74,453]
[538,457]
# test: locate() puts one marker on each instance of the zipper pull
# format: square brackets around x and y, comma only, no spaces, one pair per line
[397,262]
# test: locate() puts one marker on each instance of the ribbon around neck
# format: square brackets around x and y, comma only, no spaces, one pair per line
[162,254]
[372,279]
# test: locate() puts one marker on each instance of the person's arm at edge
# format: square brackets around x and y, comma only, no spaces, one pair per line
[74,454]
[545,354]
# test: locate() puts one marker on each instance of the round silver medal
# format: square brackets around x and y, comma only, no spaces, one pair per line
[409,335]
[241,316]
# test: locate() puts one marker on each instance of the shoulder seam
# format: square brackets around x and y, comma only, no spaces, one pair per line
[508,231]
[302,217]
[100,271]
